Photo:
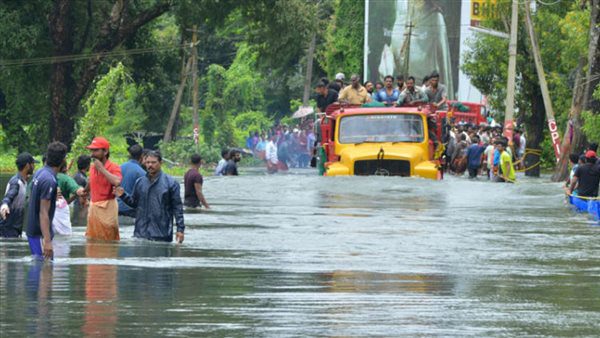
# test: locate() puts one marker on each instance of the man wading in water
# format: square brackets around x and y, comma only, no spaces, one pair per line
[103,222]
[42,203]
[156,201]
[13,203]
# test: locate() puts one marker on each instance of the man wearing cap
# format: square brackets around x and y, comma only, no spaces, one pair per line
[13,203]
[355,93]
[103,212]
[587,177]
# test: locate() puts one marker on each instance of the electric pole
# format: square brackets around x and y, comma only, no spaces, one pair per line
[176,105]
[195,85]
[512,69]
[543,85]
[406,66]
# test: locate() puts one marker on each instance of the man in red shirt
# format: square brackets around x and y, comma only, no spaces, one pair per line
[103,222]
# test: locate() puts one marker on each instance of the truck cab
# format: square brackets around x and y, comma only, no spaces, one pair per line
[385,141]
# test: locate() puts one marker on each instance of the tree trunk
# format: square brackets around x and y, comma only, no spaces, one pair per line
[117,28]
[592,77]
[309,69]
[535,129]
[61,124]
[573,140]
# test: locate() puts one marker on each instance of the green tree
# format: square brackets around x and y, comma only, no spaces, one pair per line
[344,39]
[487,63]
[98,106]
[215,113]
[591,127]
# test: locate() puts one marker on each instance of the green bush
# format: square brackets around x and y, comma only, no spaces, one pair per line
[179,151]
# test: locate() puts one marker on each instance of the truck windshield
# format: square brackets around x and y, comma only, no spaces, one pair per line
[381,128]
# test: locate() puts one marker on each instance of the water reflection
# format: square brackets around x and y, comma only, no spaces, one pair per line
[38,289]
[100,311]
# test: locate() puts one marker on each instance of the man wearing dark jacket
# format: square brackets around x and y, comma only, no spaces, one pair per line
[156,200]
[13,203]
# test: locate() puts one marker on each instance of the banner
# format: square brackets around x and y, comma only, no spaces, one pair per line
[482,10]
[413,38]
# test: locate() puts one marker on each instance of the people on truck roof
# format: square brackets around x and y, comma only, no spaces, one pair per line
[425,83]
[355,93]
[325,96]
[370,89]
[436,92]
[388,95]
[412,95]
[400,85]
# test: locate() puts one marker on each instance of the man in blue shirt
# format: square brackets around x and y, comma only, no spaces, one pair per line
[388,94]
[13,203]
[131,171]
[474,152]
[42,203]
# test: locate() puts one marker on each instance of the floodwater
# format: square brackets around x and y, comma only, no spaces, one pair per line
[301,255]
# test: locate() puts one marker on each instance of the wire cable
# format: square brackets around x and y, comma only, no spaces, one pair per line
[79,57]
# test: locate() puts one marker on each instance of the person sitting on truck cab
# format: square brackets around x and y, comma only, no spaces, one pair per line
[388,95]
[411,96]
[355,93]
[325,97]
[400,85]
[436,92]
[370,89]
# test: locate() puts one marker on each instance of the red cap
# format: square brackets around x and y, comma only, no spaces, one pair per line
[590,154]
[99,143]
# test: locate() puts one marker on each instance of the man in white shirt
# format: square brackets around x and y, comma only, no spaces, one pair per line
[271,155]
[222,162]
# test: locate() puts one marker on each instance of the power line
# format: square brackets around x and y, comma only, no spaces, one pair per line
[79,57]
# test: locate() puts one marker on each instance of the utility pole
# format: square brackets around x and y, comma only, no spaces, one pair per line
[175,110]
[512,69]
[195,85]
[405,49]
[543,85]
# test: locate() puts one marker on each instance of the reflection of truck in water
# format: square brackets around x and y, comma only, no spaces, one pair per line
[387,141]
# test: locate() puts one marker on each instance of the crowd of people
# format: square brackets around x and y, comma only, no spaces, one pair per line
[584,178]
[281,147]
[483,150]
[401,93]
[102,194]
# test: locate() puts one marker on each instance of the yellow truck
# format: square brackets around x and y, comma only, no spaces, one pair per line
[386,141]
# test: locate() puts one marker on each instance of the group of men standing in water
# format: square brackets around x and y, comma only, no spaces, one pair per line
[138,189]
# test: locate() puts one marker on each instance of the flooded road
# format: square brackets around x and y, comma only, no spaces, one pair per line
[301,255]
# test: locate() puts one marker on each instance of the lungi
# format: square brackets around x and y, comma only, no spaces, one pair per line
[103,220]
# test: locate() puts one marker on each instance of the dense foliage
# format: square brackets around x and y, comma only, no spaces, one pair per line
[591,128]
[344,39]
[562,36]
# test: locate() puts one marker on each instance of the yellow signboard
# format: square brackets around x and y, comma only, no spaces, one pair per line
[482,10]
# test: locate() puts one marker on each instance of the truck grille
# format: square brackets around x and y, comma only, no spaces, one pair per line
[382,167]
